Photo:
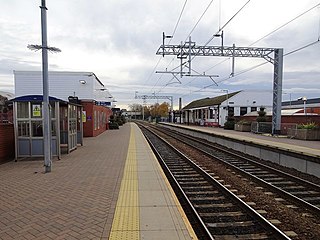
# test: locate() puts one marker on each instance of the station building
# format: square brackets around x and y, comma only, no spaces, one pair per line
[215,111]
[80,106]
[83,88]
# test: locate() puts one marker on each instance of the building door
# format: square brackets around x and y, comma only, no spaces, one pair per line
[72,124]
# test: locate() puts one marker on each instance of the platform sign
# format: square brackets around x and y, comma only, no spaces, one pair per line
[84,116]
[36,110]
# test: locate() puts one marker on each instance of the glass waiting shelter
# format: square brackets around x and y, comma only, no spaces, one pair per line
[66,126]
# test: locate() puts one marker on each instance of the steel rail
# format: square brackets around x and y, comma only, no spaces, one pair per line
[249,210]
[315,210]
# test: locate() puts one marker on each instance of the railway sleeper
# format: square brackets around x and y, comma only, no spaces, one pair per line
[256,236]
[247,227]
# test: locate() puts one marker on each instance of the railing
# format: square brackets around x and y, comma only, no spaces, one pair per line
[266,127]
[261,127]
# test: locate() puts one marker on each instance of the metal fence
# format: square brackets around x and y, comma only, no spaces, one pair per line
[266,127]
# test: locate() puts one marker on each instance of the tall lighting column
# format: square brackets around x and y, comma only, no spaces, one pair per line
[45,109]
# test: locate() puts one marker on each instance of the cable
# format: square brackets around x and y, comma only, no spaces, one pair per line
[194,28]
[199,19]
[175,28]
[319,26]
[283,25]
[301,48]
[220,29]
[275,30]
[174,31]
[261,64]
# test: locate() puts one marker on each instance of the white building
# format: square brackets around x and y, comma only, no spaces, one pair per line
[214,111]
[84,85]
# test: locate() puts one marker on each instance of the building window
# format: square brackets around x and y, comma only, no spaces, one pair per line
[253,109]
[95,120]
[243,111]
[230,111]
[98,119]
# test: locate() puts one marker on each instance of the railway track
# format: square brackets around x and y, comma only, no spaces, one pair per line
[303,193]
[217,211]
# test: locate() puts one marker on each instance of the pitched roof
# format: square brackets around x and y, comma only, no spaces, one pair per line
[209,101]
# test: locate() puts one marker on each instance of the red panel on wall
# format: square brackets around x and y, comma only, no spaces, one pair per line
[97,118]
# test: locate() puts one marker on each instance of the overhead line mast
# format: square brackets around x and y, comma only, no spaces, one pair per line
[191,49]
[145,97]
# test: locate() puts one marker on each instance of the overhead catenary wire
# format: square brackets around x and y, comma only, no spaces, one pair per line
[174,31]
[285,24]
[230,19]
[206,9]
[220,28]
[273,31]
[194,27]
[264,63]
[319,24]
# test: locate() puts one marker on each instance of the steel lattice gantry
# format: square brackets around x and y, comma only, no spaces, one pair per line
[144,97]
[190,49]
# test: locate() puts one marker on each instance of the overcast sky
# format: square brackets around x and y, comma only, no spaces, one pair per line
[118,40]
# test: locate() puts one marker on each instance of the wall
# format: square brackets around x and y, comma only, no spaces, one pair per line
[95,122]
[6,142]
[288,119]
[281,156]
[246,99]
[61,84]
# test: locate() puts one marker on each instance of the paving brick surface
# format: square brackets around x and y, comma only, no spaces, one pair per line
[75,201]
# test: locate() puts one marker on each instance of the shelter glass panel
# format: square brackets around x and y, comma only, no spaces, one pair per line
[23,129]
[36,129]
[53,128]
[52,110]
[23,109]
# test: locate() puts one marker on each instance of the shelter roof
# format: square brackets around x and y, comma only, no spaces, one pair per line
[38,98]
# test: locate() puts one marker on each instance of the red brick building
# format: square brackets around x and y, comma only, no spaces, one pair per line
[6,141]
[95,118]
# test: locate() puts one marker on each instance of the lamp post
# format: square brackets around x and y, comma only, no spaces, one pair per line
[304,99]
[46,108]
[289,98]
[226,90]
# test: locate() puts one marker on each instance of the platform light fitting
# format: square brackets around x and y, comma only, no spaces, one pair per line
[82,81]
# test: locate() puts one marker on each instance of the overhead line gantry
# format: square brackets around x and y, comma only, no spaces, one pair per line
[273,55]
[153,96]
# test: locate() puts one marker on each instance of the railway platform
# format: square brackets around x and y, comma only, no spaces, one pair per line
[311,148]
[301,155]
[111,188]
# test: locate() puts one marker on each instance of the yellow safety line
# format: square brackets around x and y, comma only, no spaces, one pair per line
[126,218]
[175,199]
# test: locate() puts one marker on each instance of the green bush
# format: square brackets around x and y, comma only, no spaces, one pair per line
[311,125]
[262,115]
[229,125]
[244,122]
[113,125]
